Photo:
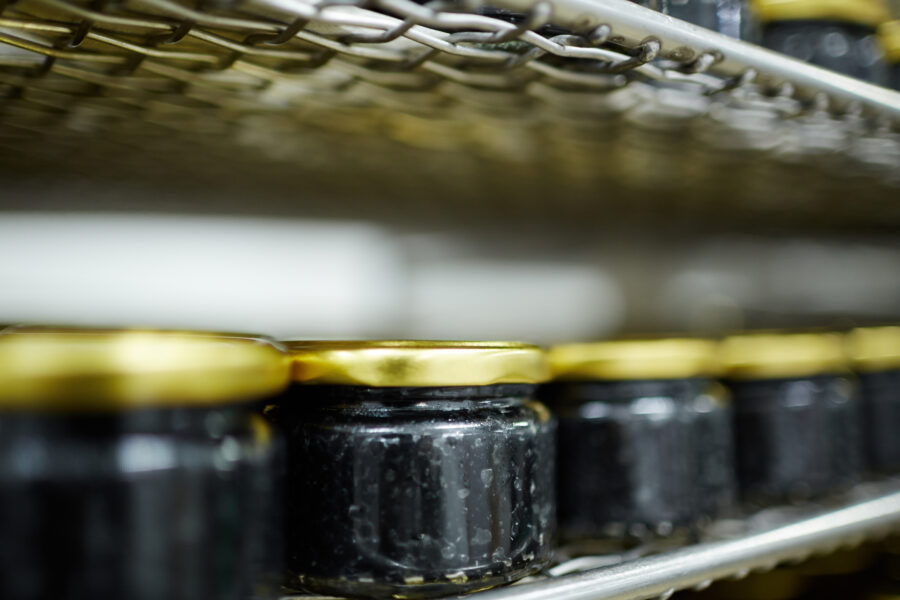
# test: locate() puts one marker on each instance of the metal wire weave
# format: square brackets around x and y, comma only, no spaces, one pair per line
[447,76]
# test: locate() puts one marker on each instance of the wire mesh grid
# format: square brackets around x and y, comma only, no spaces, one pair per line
[571,94]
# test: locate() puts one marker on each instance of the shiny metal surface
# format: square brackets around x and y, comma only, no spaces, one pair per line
[697,566]
[558,106]
[416,363]
[733,57]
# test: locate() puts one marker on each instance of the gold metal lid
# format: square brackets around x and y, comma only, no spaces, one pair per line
[874,348]
[774,355]
[416,363]
[889,35]
[662,358]
[91,370]
[870,13]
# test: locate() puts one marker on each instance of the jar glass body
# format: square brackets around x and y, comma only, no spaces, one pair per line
[797,438]
[880,397]
[415,492]
[641,457]
[153,504]
[842,47]
[731,17]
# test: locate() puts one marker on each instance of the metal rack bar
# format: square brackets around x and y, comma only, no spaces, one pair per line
[699,565]
[633,23]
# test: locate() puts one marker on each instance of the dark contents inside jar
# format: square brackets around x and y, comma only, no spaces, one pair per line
[643,456]
[416,492]
[881,420]
[797,437]
[846,48]
[150,504]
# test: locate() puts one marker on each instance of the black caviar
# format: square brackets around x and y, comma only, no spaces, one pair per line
[645,438]
[889,35]
[731,17]
[797,438]
[659,455]
[839,35]
[115,485]
[158,504]
[875,352]
[415,491]
[797,416]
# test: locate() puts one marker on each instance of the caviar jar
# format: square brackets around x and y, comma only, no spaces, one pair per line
[645,438]
[834,34]
[797,415]
[416,468]
[731,17]
[875,353]
[132,465]
[889,33]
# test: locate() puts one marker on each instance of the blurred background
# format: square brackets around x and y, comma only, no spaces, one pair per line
[224,179]
[293,276]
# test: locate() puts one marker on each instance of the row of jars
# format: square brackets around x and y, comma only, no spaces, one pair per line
[177,465]
[853,37]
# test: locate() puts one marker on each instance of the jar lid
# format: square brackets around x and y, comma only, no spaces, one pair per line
[870,13]
[661,358]
[889,34]
[775,355]
[416,363]
[874,348]
[70,370]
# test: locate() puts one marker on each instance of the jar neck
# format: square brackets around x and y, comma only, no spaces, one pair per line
[342,394]
[624,391]
[195,421]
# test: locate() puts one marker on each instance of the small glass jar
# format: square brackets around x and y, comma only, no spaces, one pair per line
[416,469]
[645,437]
[834,34]
[889,35]
[797,415]
[731,17]
[875,354]
[132,465]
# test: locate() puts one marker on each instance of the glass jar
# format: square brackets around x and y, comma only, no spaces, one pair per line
[731,17]
[797,415]
[416,469]
[834,34]
[133,466]
[889,35]
[645,438]
[875,353]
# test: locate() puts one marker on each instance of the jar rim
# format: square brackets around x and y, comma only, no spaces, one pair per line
[416,363]
[889,36]
[870,13]
[635,359]
[74,369]
[768,355]
[874,348]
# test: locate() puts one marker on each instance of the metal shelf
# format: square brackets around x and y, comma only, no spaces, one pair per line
[697,566]
[733,549]
[602,104]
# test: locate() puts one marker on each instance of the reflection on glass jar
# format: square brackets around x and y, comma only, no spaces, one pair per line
[889,35]
[645,438]
[797,415]
[875,353]
[132,466]
[416,468]
[731,17]
[838,35]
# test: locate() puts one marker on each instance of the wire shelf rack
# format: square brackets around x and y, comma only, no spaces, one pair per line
[594,99]
[756,543]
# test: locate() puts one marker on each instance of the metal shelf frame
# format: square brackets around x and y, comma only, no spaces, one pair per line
[697,566]
[603,103]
